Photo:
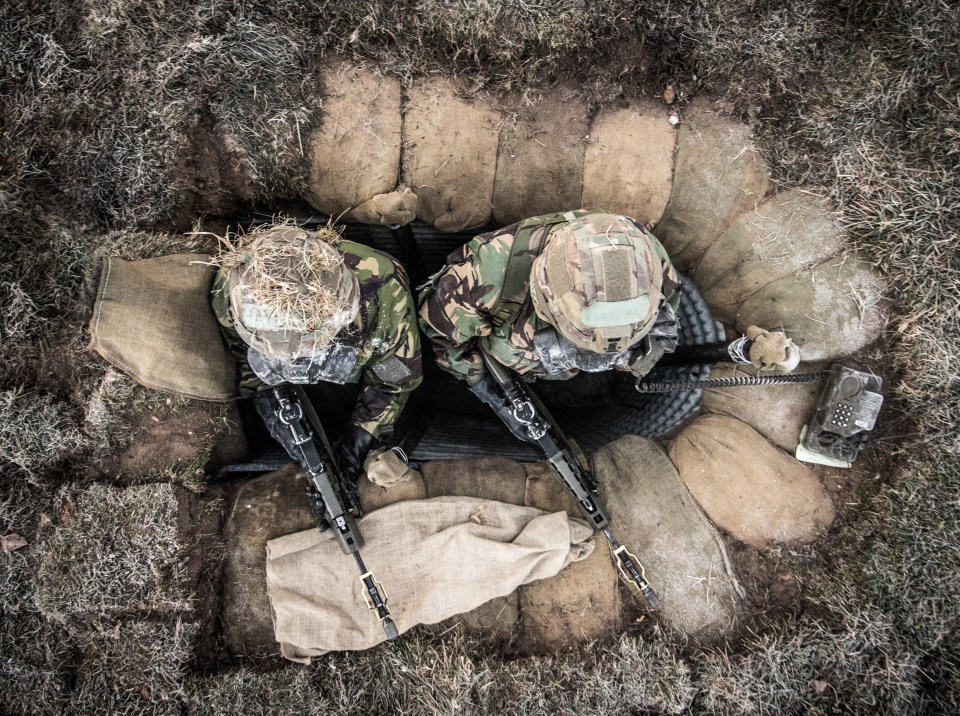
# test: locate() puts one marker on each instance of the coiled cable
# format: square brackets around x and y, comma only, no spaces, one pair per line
[668,386]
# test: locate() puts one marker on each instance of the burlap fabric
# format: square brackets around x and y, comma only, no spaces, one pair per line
[628,165]
[355,155]
[785,236]
[435,558]
[449,155]
[831,311]
[540,157]
[152,320]
[718,176]
[747,487]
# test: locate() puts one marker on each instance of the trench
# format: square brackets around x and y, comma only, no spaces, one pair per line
[445,421]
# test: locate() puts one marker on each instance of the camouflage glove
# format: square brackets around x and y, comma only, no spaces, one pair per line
[772,350]
[487,390]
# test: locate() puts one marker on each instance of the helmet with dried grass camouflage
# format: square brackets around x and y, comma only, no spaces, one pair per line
[289,292]
[598,281]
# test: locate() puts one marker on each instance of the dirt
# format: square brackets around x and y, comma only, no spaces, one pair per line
[216,172]
[201,521]
[178,437]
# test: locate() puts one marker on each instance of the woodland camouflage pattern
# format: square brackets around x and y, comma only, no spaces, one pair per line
[388,365]
[456,311]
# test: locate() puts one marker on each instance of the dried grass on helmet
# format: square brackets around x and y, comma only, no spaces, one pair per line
[286,274]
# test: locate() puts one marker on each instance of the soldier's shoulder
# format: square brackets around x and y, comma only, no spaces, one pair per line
[371,266]
[220,297]
[492,252]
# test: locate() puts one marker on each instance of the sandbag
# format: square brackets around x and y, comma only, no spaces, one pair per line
[718,176]
[778,412]
[356,153]
[540,157]
[747,486]
[263,508]
[582,602]
[492,478]
[152,320]
[435,558]
[654,515]
[787,234]
[628,165]
[488,478]
[831,311]
[450,155]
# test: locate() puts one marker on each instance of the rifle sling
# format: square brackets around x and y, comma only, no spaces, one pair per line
[314,421]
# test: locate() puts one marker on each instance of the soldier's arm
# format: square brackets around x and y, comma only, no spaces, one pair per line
[454,312]
[396,370]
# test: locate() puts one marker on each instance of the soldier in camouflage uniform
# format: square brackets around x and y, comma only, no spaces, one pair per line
[352,321]
[550,296]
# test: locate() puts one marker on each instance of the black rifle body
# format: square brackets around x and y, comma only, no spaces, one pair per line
[337,510]
[576,479]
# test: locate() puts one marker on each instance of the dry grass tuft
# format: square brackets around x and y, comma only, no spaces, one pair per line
[131,667]
[34,665]
[294,274]
[21,507]
[35,433]
[114,551]
[426,674]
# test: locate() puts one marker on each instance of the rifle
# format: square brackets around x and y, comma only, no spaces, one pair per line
[572,472]
[331,501]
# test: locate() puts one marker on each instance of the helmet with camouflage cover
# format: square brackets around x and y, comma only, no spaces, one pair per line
[599,282]
[289,291]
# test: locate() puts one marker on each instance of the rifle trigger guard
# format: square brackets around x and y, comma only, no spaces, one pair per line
[289,412]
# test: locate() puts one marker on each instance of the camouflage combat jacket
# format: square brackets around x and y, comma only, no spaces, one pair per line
[388,365]
[457,311]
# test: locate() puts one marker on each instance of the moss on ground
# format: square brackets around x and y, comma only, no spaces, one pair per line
[102,107]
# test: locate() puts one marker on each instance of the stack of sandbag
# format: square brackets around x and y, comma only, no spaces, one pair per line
[355,155]
[450,154]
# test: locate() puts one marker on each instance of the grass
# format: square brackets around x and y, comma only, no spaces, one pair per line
[426,674]
[106,111]
[113,551]
[34,433]
[289,272]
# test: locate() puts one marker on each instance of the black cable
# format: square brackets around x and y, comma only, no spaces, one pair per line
[669,386]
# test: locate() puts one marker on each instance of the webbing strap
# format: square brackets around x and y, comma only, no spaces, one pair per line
[528,241]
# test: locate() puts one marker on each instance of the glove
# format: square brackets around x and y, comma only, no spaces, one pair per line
[644,357]
[266,404]
[487,390]
[352,452]
[353,449]
[772,349]
[317,508]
